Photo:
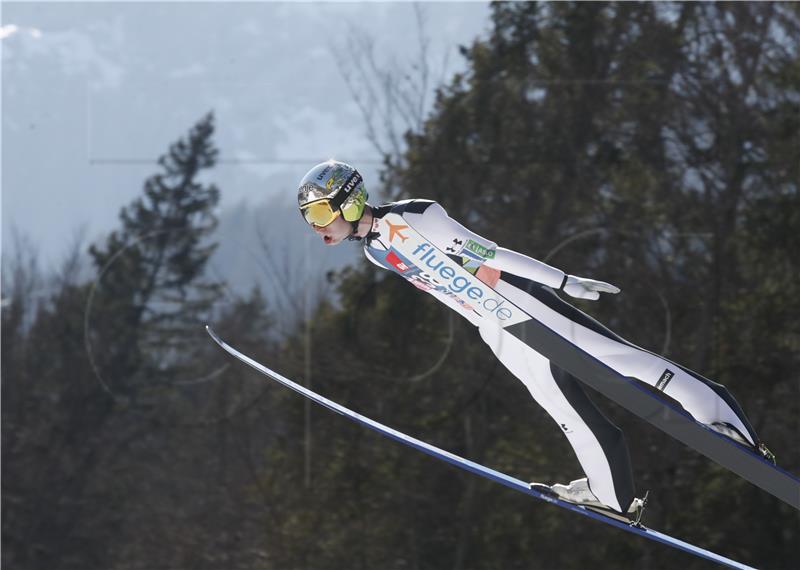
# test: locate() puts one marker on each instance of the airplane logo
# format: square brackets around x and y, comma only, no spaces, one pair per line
[394,229]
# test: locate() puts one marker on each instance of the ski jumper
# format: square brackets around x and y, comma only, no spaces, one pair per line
[598,444]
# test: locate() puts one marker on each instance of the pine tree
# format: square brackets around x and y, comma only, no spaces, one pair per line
[72,472]
[151,271]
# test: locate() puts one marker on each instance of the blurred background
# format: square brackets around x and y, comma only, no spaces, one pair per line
[150,155]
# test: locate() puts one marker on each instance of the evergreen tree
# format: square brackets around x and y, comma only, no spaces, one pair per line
[70,440]
[151,271]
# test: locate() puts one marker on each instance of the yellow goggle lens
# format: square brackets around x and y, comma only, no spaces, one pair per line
[319,213]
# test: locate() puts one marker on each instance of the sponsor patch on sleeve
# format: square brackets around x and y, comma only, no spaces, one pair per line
[470,248]
[479,249]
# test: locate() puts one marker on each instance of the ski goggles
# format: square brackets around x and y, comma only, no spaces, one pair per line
[320,213]
[324,211]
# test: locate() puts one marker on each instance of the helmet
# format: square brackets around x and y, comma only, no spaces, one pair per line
[329,190]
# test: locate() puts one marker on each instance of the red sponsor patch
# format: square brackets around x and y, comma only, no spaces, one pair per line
[396,262]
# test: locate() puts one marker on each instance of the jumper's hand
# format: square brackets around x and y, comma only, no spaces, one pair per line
[582,288]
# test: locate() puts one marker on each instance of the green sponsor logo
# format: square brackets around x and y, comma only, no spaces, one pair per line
[478,249]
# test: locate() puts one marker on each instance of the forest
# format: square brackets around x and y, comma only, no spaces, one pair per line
[655,146]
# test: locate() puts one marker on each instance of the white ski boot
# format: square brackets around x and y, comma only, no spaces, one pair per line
[579,493]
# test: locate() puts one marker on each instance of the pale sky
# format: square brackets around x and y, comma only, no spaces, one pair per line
[93,93]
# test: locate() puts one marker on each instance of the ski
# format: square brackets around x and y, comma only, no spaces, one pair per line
[415,253]
[668,417]
[473,467]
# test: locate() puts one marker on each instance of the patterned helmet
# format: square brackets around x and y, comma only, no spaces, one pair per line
[336,186]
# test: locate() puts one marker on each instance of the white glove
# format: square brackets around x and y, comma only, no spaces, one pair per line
[582,288]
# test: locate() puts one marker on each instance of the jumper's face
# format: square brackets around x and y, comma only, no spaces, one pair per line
[334,232]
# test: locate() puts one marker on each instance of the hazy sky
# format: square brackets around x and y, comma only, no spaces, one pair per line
[93,93]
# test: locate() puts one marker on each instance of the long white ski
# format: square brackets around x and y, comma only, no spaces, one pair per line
[476,468]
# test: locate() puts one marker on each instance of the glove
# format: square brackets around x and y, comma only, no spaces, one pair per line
[582,288]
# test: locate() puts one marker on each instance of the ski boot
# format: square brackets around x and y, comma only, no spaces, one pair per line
[578,493]
[731,432]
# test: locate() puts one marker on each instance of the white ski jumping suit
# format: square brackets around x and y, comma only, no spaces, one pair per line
[599,445]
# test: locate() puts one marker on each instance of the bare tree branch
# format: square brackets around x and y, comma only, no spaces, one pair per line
[393,97]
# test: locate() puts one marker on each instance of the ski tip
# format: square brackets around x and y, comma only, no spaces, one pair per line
[213,335]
